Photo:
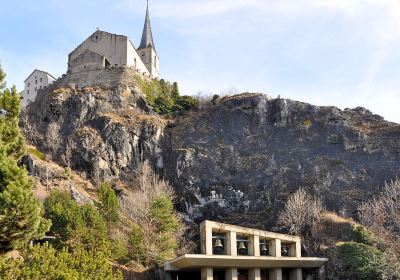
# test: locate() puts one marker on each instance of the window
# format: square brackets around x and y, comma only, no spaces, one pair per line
[35,89]
[41,79]
[28,91]
[155,61]
[135,63]
[29,84]
[35,82]
[40,87]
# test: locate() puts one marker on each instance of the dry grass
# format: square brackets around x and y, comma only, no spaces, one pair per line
[134,117]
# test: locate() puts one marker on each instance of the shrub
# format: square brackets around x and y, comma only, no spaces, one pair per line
[108,203]
[43,262]
[163,97]
[76,225]
[361,261]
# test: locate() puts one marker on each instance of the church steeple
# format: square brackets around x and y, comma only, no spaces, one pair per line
[147,36]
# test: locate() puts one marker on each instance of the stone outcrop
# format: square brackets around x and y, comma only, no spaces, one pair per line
[237,159]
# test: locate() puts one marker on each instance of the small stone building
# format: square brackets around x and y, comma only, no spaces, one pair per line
[231,252]
[36,81]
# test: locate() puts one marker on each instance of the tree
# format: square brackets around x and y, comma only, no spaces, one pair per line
[175,91]
[108,205]
[158,231]
[76,225]
[302,210]
[43,262]
[20,213]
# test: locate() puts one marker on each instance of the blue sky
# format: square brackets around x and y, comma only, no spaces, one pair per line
[344,53]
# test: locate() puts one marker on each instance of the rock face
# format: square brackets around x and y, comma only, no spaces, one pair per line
[243,156]
[234,161]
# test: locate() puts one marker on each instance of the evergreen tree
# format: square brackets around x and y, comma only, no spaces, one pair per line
[20,213]
[108,205]
[43,262]
[175,91]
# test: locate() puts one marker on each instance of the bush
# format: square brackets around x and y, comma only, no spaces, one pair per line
[361,261]
[163,97]
[43,262]
[76,225]
[108,203]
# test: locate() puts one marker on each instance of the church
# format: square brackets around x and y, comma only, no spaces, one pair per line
[103,49]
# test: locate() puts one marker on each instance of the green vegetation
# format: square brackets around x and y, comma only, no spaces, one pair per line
[34,152]
[166,224]
[163,97]
[307,123]
[43,262]
[366,257]
[108,205]
[20,213]
[76,225]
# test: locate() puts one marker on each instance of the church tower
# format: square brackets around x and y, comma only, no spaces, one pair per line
[147,49]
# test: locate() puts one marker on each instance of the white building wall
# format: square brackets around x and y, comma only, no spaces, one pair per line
[134,58]
[36,81]
[112,46]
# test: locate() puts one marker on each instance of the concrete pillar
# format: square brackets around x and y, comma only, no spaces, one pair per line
[275,274]
[275,247]
[206,238]
[295,250]
[254,246]
[231,274]
[296,274]
[207,273]
[231,246]
[322,272]
[254,274]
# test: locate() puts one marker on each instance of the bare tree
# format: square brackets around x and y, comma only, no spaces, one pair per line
[301,212]
[382,213]
[137,206]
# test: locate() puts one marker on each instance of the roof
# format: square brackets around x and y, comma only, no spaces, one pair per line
[147,36]
[37,70]
[191,261]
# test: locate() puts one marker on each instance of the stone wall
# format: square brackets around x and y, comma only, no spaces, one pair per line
[99,77]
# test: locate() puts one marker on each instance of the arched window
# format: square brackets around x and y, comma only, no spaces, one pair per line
[135,63]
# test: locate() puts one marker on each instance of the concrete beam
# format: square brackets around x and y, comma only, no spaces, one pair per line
[275,274]
[296,274]
[231,246]
[207,273]
[231,273]
[254,274]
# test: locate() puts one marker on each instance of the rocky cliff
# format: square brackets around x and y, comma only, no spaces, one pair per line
[235,161]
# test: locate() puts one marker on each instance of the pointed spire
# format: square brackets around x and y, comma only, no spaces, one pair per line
[147,36]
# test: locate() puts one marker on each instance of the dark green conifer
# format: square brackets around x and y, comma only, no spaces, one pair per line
[20,213]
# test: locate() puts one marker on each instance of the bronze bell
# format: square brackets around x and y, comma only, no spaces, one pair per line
[218,244]
[264,248]
[284,250]
[242,246]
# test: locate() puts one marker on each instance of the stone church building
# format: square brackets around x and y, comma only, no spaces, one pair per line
[103,49]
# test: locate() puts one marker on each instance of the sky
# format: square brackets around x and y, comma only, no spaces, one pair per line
[343,53]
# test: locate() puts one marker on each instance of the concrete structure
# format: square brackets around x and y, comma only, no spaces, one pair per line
[102,49]
[36,81]
[236,253]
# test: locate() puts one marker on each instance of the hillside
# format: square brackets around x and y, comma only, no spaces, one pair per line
[236,160]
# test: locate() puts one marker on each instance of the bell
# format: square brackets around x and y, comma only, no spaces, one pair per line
[218,244]
[264,248]
[242,246]
[284,250]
